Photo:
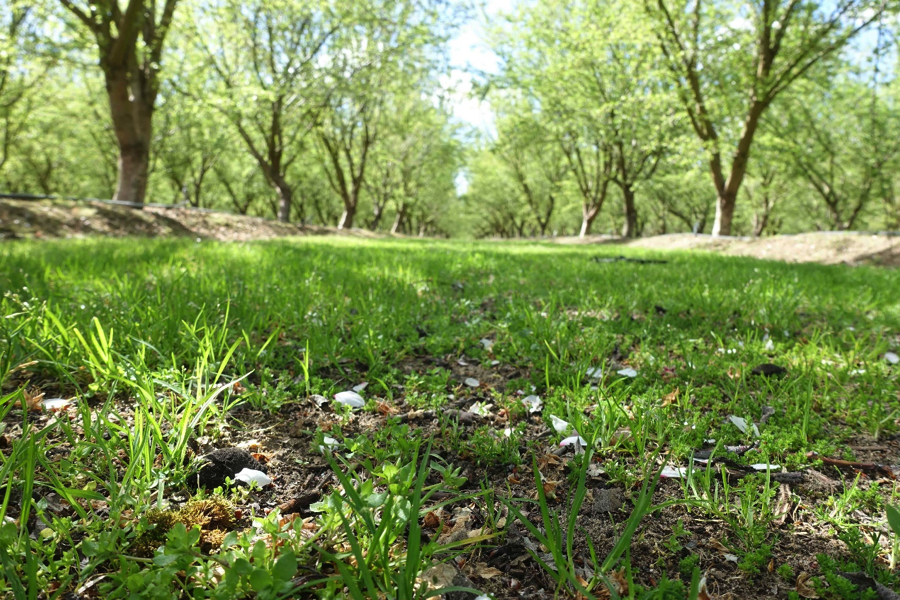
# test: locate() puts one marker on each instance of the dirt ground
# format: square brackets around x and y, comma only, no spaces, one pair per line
[20,219]
[65,219]
[823,247]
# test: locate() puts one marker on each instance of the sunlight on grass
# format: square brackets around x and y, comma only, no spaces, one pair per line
[169,349]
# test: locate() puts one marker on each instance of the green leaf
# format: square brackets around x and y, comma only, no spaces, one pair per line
[242,567]
[164,560]
[89,548]
[285,567]
[260,580]
[893,516]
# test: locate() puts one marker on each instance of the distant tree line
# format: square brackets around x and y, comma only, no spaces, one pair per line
[631,117]
[727,117]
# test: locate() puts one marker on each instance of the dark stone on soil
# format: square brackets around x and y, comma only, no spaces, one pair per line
[608,500]
[768,369]
[222,463]
[863,582]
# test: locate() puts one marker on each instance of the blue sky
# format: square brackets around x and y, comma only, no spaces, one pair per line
[469,51]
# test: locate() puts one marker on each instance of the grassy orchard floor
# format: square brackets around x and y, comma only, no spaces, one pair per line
[149,337]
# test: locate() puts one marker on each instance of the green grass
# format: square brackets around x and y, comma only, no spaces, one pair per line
[162,343]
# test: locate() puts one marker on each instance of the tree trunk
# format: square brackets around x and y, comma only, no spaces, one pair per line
[727,193]
[724,214]
[586,222]
[398,220]
[285,201]
[131,113]
[346,221]
[630,228]
[378,212]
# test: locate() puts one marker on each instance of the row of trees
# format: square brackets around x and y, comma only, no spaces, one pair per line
[715,115]
[302,109]
[633,116]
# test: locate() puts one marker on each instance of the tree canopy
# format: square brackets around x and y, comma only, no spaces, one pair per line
[606,116]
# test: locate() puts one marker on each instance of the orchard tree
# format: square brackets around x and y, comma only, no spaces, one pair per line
[190,141]
[129,43]
[730,60]
[842,142]
[22,68]
[262,72]
[534,161]
[391,50]
[416,151]
[594,76]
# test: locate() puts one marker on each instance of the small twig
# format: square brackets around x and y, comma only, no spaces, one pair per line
[848,464]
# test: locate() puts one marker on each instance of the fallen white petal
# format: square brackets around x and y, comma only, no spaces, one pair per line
[472,382]
[351,399]
[330,442]
[739,423]
[481,409]
[360,387]
[573,439]
[595,372]
[764,466]
[627,372]
[891,358]
[487,343]
[55,403]
[507,432]
[252,475]
[769,345]
[494,363]
[595,470]
[532,403]
[672,472]
[730,557]
[558,424]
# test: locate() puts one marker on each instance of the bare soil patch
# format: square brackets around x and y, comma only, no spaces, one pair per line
[853,248]
[20,219]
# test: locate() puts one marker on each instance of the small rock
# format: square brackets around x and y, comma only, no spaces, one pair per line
[768,370]
[863,583]
[609,500]
[222,463]
[446,575]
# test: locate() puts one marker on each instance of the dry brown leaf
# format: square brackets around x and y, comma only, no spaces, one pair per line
[550,488]
[621,434]
[432,521]
[783,505]
[33,397]
[671,397]
[704,593]
[485,572]
[804,590]
[548,460]
[618,579]
[386,409]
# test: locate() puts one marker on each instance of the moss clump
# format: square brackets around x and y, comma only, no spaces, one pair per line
[214,516]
